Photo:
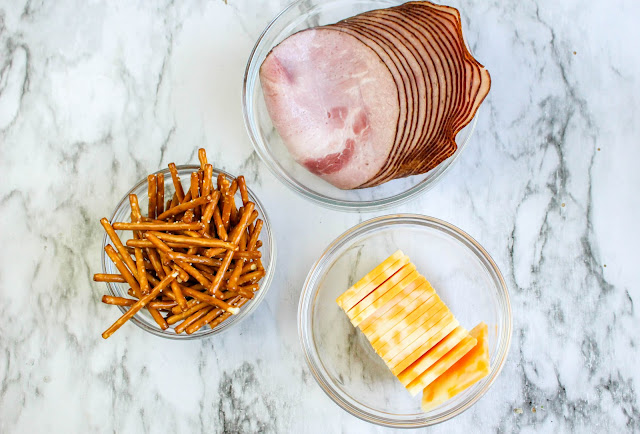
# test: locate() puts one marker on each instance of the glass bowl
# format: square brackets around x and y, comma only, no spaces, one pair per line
[122,213]
[300,15]
[341,358]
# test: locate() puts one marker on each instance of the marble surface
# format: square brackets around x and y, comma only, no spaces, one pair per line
[95,95]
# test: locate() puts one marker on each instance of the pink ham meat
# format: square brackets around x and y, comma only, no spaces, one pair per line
[334,103]
[375,97]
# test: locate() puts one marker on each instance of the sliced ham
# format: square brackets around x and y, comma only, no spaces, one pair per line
[334,103]
[375,97]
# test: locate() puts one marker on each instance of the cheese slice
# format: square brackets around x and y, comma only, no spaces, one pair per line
[426,340]
[386,286]
[442,365]
[466,372]
[405,297]
[418,297]
[383,295]
[354,294]
[407,371]
[418,320]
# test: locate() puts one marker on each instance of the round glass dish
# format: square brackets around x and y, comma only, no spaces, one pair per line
[341,359]
[143,319]
[301,15]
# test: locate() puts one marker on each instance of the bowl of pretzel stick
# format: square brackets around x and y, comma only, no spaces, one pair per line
[187,253]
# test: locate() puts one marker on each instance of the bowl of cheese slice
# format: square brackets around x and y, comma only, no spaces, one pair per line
[405,321]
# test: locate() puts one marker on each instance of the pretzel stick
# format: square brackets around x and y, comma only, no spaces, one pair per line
[191,241]
[201,322]
[251,277]
[139,304]
[195,191]
[115,278]
[242,186]
[221,318]
[188,216]
[153,195]
[121,301]
[222,183]
[158,318]
[173,319]
[183,325]
[237,231]
[122,268]
[123,226]
[135,213]
[207,177]
[174,201]
[186,205]
[177,185]
[233,280]
[194,259]
[176,310]
[159,193]
[220,229]
[154,258]
[115,239]
[202,156]
[187,197]
[210,300]
[248,255]
[207,214]
[147,244]
[142,273]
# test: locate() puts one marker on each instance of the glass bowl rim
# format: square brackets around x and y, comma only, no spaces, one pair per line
[310,290]
[244,313]
[337,204]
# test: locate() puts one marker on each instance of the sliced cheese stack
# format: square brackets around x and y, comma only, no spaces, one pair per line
[415,333]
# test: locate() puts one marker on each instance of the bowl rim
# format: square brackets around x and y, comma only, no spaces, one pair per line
[244,313]
[310,289]
[337,204]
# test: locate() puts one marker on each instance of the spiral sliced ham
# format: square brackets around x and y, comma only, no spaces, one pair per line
[378,96]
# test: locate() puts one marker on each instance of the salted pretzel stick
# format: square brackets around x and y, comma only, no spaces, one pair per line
[136,216]
[173,319]
[147,244]
[177,185]
[183,325]
[139,304]
[192,241]
[182,264]
[168,205]
[160,193]
[235,236]
[202,156]
[194,259]
[115,278]
[218,253]
[195,191]
[142,273]
[123,226]
[213,301]
[153,195]
[174,201]
[189,217]
[227,203]
[221,318]
[176,309]
[187,205]
[233,280]
[154,258]
[201,322]
[207,214]
[242,291]
[158,318]
[222,183]
[122,268]
[115,239]
[207,179]
[254,276]
[220,229]
[242,186]
[121,301]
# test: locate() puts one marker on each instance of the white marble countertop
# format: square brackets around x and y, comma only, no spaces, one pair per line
[95,95]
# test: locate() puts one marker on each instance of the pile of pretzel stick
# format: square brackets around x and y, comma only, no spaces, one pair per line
[192,261]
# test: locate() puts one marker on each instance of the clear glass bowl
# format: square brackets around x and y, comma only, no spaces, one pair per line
[143,319]
[339,356]
[300,15]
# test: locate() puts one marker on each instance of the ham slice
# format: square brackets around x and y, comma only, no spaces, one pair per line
[375,97]
[334,103]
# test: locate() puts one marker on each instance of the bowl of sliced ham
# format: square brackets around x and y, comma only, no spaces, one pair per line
[362,104]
